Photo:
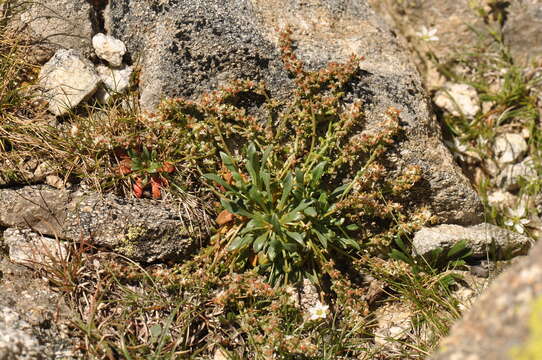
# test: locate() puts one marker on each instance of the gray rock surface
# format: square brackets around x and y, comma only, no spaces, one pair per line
[66,80]
[143,230]
[187,48]
[504,322]
[15,340]
[483,240]
[28,248]
[60,24]
[29,313]
[393,326]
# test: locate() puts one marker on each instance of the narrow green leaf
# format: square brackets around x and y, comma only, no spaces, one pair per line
[287,185]
[310,211]
[234,208]
[459,247]
[266,177]
[274,249]
[339,190]
[218,180]
[252,226]
[256,196]
[260,242]
[322,201]
[295,214]
[265,156]
[274,220]
[317,173]
[397,255]
[399,241]
[352,227]
[348,242]
[300,238]
[321,238]
[252,164]
[290,247]
[300,177]
[240,242]
[228,162]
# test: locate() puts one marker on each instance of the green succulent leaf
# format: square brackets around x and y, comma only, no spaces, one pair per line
[300,238]
[240,242]
[260,242]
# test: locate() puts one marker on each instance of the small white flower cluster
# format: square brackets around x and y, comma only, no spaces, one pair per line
[318,311]
[428,34]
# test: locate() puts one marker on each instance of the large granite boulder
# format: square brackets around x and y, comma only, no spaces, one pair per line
[140,229]
[505,323]
[189,47]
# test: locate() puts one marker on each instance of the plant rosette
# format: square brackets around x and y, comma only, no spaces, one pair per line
[287,224]
[148,174]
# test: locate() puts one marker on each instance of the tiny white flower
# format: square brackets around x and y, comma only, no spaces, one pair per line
[459,148]
[517,218]
[74,131]
[318,311]
[428,34]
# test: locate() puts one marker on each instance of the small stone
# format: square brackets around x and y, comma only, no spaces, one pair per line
[458,99]
[109,49]
[41,171]
[509,148]
[220,355]
[55,181]
[482,239]
[501,199]
[28,248]
[393,325]
[510,176]
[66,80]
[490,165]
[305,294]
[115,81]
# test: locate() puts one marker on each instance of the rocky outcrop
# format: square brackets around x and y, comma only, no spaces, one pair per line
[143,230]
[188,48]
[505,322]
[482,240]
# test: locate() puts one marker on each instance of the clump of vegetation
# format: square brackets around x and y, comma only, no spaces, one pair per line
[304,193]
[307,185]
[301,180]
